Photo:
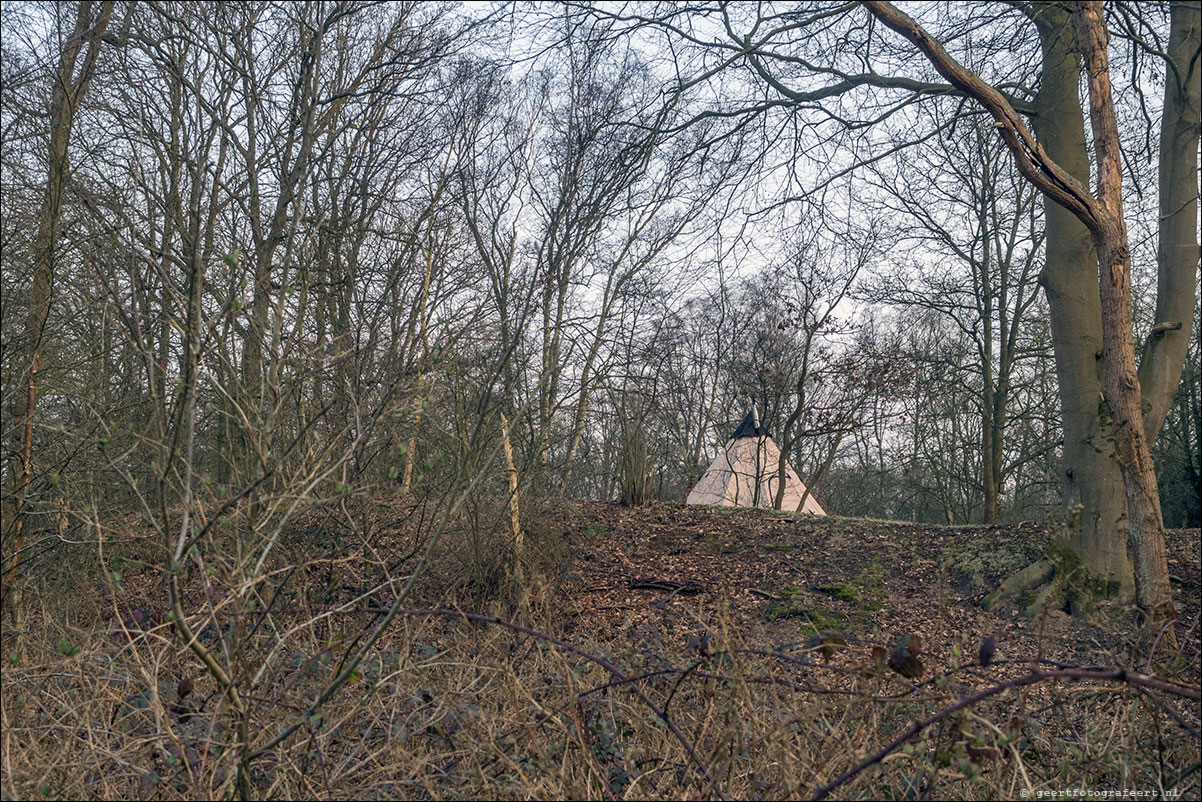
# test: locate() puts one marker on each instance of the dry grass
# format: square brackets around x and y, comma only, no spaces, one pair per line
[445,708]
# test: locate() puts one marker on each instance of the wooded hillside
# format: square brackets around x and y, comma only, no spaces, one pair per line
[331,327]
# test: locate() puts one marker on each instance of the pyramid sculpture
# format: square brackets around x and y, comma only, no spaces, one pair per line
[745,474]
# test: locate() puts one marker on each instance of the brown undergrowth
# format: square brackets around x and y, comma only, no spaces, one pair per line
[757,656]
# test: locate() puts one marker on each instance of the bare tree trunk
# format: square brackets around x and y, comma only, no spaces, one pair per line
[586,377]
[786,445]
[1177,255]
[260,392]
[990,478]
[407,474]
[515,519]
[1090,473]
[814,478]
[1120,380]
[423,322]
[69,88]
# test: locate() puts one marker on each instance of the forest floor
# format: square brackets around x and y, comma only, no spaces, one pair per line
[792,576]
[753,632]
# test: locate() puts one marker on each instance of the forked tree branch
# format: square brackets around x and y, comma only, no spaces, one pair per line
[1032,161]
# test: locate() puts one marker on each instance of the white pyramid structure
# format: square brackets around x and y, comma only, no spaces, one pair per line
[745,474]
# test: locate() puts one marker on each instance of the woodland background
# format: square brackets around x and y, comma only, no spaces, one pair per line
[313,308]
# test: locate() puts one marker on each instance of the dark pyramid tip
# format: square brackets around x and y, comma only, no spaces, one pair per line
[750,427]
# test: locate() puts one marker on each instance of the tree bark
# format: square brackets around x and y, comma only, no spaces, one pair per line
[515,518]
[787,434]
[1120,381]
[1177,255]
[253,448]
[423,360]
[1089,478]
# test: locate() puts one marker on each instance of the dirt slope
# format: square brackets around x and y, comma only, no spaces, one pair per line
[787,577]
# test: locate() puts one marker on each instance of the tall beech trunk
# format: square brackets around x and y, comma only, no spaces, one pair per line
[788,438]
[989,478]
[1102,215]
[1120,384]
[1177,256]
[1089,476]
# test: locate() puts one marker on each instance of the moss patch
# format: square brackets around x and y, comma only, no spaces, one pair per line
[977,565]
[866,592]
[794,604]
[844,592]
[819,619]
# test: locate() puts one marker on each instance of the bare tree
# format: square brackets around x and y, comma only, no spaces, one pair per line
[985,238]
[819,281]
[72,73]
[830,60]
[1102,214]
